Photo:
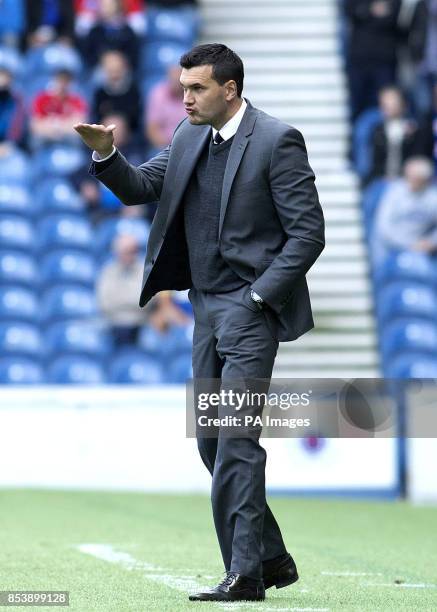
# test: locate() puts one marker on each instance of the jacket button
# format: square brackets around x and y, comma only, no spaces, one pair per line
[153,261]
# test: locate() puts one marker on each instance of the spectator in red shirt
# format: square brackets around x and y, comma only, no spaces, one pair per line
[56,110]
[165,109]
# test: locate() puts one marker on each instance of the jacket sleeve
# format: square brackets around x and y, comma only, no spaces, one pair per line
[297,204]
[133,184]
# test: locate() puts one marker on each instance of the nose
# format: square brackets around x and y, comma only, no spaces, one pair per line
[188,98]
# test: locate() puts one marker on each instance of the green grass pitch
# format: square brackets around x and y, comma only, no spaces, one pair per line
[139,552]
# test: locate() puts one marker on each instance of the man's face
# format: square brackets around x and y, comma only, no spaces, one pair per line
[114,67]
[205,100]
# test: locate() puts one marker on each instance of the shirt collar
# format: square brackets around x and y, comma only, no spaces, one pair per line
[230,128]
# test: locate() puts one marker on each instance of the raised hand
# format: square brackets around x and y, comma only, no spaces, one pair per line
[100,138]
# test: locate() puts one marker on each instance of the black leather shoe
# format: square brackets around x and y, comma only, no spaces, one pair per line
[279,572]
[234,587]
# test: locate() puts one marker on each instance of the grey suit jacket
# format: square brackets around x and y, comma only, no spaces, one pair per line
[271,227]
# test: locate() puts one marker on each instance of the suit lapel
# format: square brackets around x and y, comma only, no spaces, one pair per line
[236,153]
[192,153]
[185,168]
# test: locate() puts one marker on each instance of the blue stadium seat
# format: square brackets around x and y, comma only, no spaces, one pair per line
[108,229]
[20,339]
[158,56]
[61,231]
[16,232]
[406,265]
[57,195]
[417,365]
[134,367]
[407,299]
[77,338]
[18,304]
[180,298]
[18,268]
[166,345]
[362,133]
[51,58]
[20,371]
[72,370]
[409,335]
[179,370]
[172,25]
[15,167]
[65,302]
[68,266]
[15,199]
[12,61]
[57,161]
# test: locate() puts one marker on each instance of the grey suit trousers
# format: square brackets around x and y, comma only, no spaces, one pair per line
[234,339]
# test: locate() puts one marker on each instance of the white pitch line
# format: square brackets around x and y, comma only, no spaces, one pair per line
[351,573]
[106,552]
[408,585]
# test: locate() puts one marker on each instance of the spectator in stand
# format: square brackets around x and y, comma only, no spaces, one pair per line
[111,32]
[395,138]
[372,49]
[48,20]
[413,23]
[87,12]
[427,136]
[101,202]
[165,109]
[117,294]
[12,22]
[407,215]
[56,110]
[12,113]
[431,40]
[118,93]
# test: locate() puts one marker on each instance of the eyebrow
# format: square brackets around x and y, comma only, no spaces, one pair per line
[192,85]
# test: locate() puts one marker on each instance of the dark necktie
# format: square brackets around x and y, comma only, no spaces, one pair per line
[218,139]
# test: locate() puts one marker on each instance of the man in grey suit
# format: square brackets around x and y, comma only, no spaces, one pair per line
[239,223]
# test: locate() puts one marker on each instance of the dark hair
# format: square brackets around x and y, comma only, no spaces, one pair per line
[226,64]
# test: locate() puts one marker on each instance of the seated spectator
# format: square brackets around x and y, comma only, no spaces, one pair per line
[165,109]
[372,49]
[111,32]
[118,92]
[48,20]
[56,110]
[12,113]
[395,138]
[118,290]
[101,202]
[12,22]
[87,14]
[407,215]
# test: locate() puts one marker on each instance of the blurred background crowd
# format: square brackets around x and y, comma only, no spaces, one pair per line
[390,58]
[71,255]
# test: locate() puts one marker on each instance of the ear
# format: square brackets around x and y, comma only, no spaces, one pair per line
[231,90]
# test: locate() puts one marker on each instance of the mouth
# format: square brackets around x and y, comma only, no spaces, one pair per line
[189,111]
